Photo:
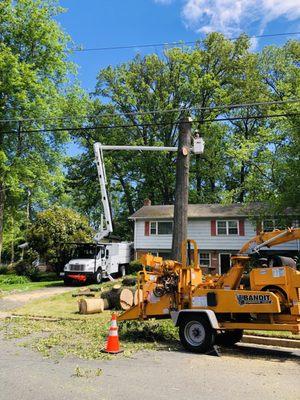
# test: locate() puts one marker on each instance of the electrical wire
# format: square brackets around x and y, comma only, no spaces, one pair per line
[177,43]
[95,127]
[151,112]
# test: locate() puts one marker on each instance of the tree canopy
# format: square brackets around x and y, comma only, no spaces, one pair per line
[251,152]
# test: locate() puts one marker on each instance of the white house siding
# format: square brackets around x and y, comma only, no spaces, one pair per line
[200,231]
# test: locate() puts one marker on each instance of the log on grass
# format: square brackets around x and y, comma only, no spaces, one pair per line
[119,298]
[138,296]
[92,306]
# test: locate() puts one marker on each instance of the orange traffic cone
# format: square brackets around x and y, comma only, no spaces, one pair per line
[112,344]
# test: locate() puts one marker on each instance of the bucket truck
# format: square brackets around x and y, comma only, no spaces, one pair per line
[91,262]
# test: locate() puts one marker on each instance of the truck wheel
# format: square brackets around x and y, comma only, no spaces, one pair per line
[196,333]
[98,276]
[68,281]
[229,338]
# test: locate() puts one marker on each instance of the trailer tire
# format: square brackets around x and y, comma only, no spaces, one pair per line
[229,338]
[196,333]
[98,276]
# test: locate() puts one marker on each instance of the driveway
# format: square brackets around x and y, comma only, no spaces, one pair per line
[242,373]
[15,300]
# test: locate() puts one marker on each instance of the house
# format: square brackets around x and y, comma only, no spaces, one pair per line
[219,231]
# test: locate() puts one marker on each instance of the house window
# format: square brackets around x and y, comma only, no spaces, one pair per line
[153,228]
[227,228]
[204,259]
[269,225]
[161,227]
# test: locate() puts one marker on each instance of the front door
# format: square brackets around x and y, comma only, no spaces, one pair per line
[224,262]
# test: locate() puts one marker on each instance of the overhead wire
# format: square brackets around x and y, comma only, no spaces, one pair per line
[120,126]
[176,43]
[166,111]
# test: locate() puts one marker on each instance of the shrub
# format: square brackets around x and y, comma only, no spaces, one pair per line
[13,279]
[134,267]
[25,268]
[3,269]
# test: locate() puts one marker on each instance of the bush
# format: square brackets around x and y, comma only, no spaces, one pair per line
[13,279]
[25,268]
[52,232]
[3,270]
[134,267]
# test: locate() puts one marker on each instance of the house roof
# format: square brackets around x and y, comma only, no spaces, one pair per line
[201,211]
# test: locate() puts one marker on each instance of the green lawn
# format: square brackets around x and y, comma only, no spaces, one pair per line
[14,283]
[82,335]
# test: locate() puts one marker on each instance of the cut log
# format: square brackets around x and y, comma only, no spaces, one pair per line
[138,296]
[118,298]
[92,306]
[126,299]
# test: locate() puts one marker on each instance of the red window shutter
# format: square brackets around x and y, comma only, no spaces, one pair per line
[147,228]
[213,227]
[242,227]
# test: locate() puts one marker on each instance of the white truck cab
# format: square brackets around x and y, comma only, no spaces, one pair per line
[92,262]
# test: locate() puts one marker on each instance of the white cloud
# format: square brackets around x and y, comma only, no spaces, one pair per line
[234,16]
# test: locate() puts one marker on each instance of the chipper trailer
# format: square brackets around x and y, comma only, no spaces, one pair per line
[216,309]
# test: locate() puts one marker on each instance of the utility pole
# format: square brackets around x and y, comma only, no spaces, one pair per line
[182,187]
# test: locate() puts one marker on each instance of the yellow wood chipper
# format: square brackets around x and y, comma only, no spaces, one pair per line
[212,309]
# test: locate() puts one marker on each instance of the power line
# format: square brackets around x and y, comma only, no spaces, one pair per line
[151,112]
[176,43]
[88,128]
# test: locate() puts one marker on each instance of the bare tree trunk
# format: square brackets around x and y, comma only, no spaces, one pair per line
[242,181]
[2,202]
[182,188]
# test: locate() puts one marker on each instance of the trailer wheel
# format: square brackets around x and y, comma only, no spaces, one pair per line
[98,276]
[196,333]
[229,338]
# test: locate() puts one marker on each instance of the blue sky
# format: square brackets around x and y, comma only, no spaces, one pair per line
[104,23]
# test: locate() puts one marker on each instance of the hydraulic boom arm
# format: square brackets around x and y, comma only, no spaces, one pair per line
[270,239]
[108,227]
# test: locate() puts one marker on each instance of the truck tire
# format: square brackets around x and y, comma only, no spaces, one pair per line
[68,281]
[98,276]
[229,338]
[196,333]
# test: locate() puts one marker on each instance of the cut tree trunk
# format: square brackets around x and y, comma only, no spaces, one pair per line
[138,296]
[119,298]
[92,306]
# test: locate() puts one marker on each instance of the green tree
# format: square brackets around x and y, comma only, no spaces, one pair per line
[35,87]
[52,229]
[182,78]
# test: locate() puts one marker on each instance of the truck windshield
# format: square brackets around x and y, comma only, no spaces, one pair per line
[85,251]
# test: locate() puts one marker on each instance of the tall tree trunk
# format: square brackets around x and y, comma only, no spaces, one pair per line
[242,181]
[2,203]
[181,189]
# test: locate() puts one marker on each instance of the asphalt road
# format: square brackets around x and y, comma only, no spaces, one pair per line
[245,372]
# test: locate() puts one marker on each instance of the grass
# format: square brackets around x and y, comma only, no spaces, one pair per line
[83,336]
[276,334]
[14,283]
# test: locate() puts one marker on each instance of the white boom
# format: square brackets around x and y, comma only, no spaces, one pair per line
[107,228]
[198,147]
